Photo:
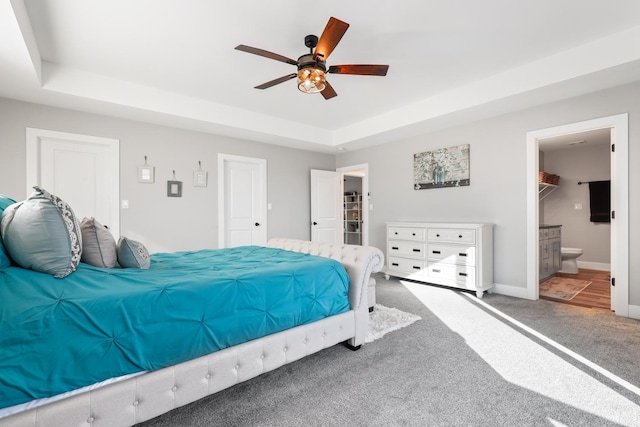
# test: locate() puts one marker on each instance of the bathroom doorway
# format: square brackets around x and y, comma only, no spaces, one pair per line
[619,253]
[582,277]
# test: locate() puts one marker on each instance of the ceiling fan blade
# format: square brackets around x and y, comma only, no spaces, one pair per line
[360,69]
[276,81]
[328,92]
[266,54]
[330,37]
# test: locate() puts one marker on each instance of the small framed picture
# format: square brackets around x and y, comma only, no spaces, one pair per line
[174,188]
[199,178]
[146,174]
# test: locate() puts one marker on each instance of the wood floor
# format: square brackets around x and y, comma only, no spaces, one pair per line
[597,294]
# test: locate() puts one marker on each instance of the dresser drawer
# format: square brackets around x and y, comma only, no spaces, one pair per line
[451,254]
[407,233]
[406,249]
[406,266]
[451,235]
[463,276]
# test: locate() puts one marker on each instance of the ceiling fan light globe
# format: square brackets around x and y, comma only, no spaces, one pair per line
[311,80]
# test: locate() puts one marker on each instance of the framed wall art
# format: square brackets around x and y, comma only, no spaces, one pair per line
[199,177]
[146,173]
[444,167]
[174,187]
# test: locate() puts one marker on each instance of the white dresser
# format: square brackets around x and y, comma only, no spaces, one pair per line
[450,254]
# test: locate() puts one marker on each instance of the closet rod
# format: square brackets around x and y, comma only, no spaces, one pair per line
[587,182]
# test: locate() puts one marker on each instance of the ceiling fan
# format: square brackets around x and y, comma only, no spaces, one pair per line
[312,68]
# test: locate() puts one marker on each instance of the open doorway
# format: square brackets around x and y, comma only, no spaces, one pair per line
[619,131]
[574,218]
[355,204]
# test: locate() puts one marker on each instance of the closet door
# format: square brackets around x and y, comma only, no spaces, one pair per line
[82,170]
[326,207]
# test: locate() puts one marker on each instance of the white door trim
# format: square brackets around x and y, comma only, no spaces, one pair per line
[365,197]
[620,203]
[34,139]
[222,223]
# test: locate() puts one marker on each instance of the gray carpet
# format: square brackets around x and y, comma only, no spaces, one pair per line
[464,364]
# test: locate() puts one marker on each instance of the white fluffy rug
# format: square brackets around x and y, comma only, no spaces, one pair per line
[384,319]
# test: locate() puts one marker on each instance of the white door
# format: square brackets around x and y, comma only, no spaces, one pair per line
[242,211]
[326,207]
[82,170]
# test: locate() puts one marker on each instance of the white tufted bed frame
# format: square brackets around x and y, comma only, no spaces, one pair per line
[142,397]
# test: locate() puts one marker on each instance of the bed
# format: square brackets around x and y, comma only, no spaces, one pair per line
[261,328]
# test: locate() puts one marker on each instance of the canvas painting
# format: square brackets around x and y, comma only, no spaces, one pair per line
[444,167]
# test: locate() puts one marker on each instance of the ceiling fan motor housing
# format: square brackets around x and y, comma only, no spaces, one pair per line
[307,61]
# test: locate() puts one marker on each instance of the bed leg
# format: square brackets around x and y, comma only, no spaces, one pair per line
[352,347]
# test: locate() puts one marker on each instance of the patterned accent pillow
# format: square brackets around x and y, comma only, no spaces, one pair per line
[5,202]
[43,234]
[132,254]
[98,244]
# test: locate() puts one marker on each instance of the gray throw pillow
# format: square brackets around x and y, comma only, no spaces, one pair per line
[42,234]
[132,254]
[98,244]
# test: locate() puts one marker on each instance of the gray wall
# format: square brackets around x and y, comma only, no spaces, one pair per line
[497,193]
[574,165]
[160,222]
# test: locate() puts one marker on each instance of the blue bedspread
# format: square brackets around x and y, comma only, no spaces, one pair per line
[57,335]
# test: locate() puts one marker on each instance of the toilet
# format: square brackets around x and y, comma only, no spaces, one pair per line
[569,260]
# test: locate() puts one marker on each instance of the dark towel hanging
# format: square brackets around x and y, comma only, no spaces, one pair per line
[600,201]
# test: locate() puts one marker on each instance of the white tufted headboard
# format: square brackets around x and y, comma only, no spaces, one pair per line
[359,261]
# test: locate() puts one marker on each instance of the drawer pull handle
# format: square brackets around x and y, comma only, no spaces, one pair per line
[437,235]
[395,264]
[395,248]
[396,233]
[435,252]
[416,250]
[435,271]
[462,254]
[413,234]
[463,274]
[416,268]
[460,236]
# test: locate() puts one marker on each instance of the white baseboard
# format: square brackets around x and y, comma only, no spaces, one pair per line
[510,291]
[634,311]
[600,266]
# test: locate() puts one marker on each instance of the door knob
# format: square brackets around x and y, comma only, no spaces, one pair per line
[257,224]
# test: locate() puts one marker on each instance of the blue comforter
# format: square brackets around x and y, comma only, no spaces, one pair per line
[57,335]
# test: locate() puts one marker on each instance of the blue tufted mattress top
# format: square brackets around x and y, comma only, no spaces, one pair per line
[58,335]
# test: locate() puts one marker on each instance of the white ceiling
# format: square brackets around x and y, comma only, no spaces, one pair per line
[576,140]
[173,62]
